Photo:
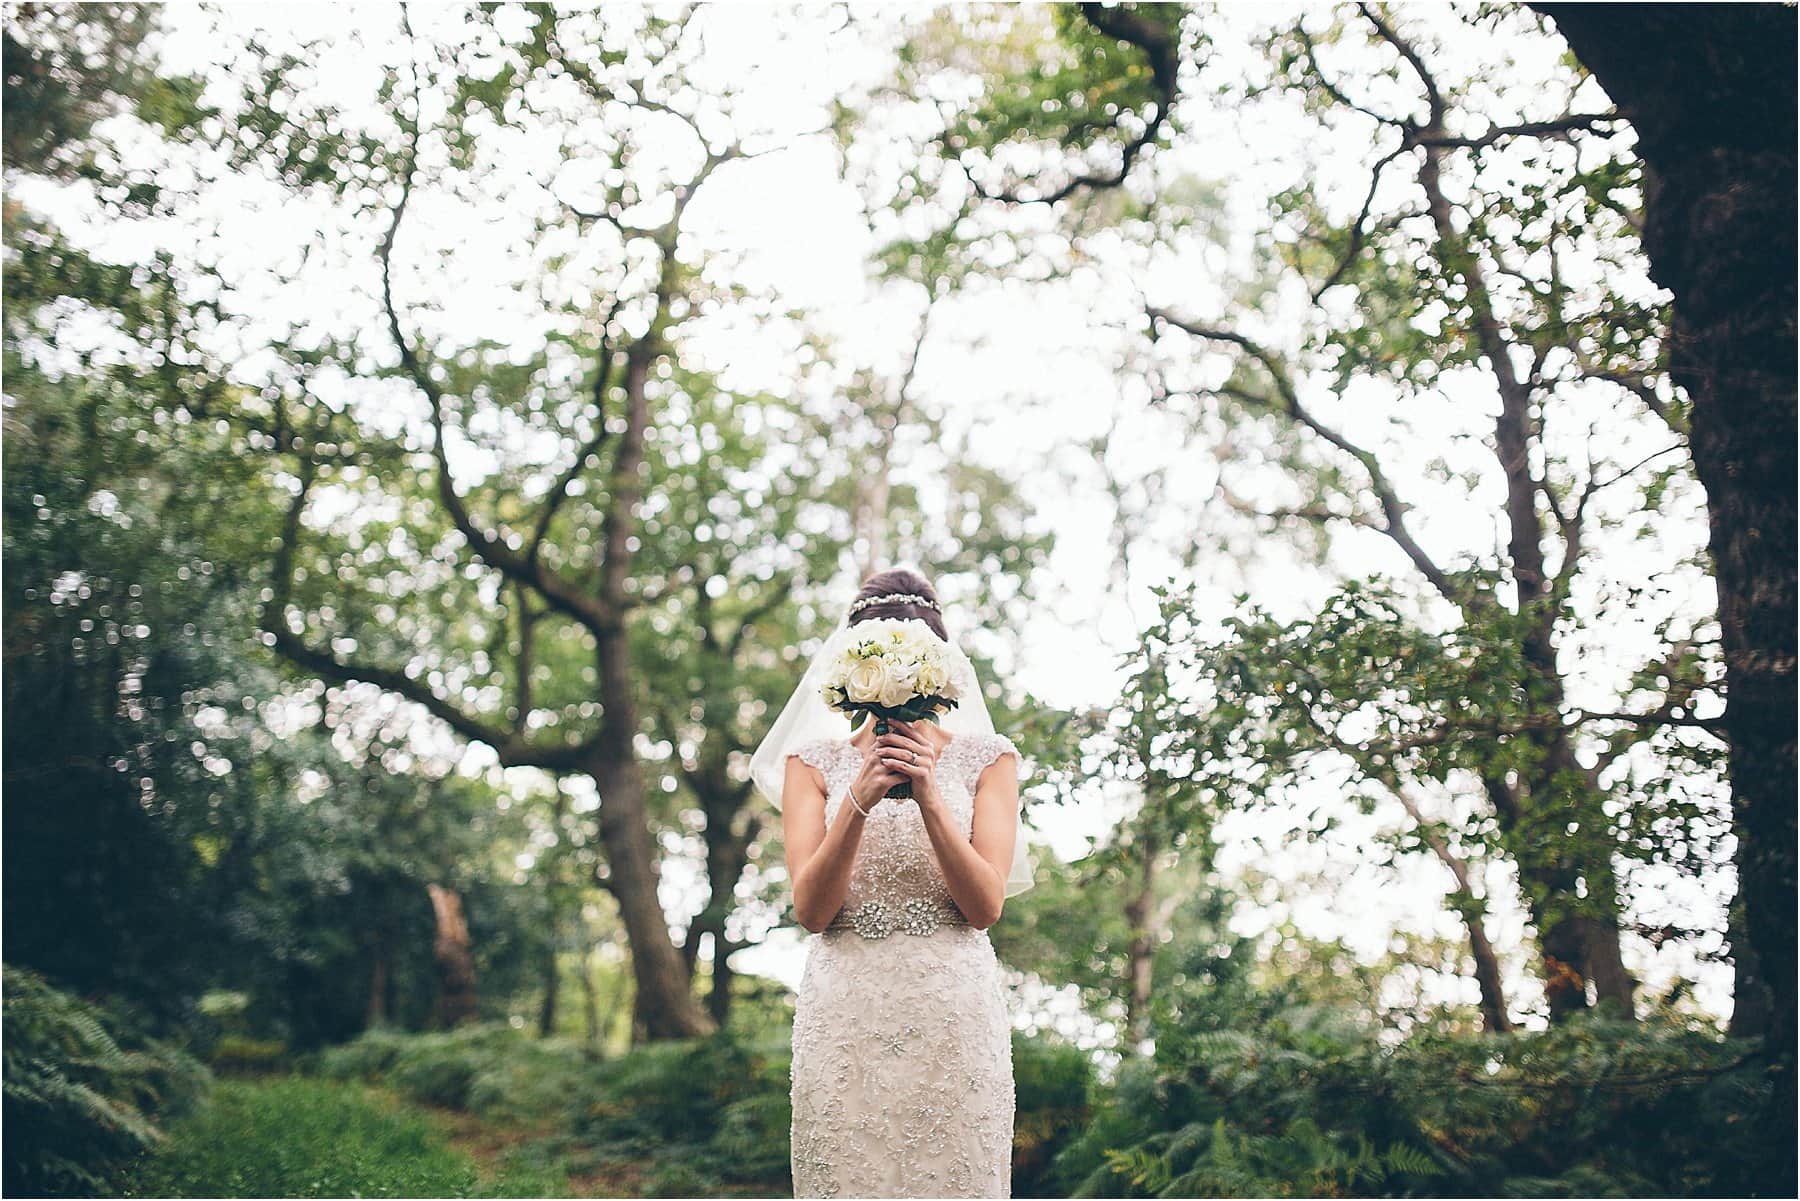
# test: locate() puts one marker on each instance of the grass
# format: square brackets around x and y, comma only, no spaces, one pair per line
[484,1111]
[305,1136]
[295,1136]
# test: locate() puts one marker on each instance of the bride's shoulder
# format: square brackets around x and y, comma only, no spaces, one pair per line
[820,752]
[987,748]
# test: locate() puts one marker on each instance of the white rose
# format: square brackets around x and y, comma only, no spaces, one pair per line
[957,669]
[931,679]
[898,688]
[867,681]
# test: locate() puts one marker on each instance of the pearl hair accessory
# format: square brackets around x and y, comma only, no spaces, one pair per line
[895,598]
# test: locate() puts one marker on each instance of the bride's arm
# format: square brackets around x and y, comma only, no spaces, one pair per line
[818,860]
[975,867]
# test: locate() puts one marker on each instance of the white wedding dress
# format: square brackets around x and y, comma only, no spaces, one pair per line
[902,1066]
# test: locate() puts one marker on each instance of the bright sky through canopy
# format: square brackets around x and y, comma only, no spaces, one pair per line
[1032,369]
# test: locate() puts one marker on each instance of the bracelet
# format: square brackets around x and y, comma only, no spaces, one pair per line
[852,791]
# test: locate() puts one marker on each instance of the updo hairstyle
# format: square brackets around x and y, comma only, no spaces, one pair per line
[900,580]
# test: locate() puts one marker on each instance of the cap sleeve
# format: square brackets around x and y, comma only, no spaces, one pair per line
[996,746]
[817,752]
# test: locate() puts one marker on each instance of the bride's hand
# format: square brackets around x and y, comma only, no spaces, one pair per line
[911,754]
[873,781]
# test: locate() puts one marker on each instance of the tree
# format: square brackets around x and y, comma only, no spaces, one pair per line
[1153,857]
[449,115]
[724,625]
[560,615]
[116,619]
[68,67]
[1711,96]
[1478,278]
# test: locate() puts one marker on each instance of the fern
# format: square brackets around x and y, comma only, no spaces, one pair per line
[752,1141]
[1147,1172]
[78,1104]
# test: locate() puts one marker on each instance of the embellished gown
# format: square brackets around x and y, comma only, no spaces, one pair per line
[902,1067]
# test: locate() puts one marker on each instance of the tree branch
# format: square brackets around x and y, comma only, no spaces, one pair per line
[1392,507]
[1332,90]
[775,598]
[522,662]
[1356,227]
[490,548]
[1567,123]
[1160,50]
[1660,717]
[1434,99]
[1317,514]
[511,750]
[1572,526]
[1641,387]
[559,491]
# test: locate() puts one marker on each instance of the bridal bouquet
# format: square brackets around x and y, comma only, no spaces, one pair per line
[895,669]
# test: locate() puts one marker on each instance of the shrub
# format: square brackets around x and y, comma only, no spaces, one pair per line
[718,1105]
[533,1079]
[1051,1081]
[679,1178]
[237,1053]
[297,1137]
[1302,1102]
[368,1056]
[666,1093]
[82,1096]
[487,1067]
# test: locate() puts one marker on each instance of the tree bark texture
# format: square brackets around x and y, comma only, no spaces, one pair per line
[1710,91]
[455,965]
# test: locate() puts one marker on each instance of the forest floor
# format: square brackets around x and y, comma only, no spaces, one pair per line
[284,1135]
[504,1153]
[515,1158]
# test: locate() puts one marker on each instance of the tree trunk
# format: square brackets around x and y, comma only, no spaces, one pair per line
[1710,92]
[376,1014]
[727,854]
[1572,947]
[718,1000]
[552,987]
[1140,954]
[710,928]
[1494,1018]
[590,1000]
[1577,948]
[1613,985]
[664,1004]
[550,864]
[617,1011]
[1468,906]
[455,965]
[1750,1016]
[1581,937]
[690,949]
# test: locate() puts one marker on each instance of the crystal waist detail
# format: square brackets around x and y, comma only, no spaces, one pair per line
[915,915]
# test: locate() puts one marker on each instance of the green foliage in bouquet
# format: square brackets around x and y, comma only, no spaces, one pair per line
[919,708]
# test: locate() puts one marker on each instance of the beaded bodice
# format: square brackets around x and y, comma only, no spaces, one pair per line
[896,866]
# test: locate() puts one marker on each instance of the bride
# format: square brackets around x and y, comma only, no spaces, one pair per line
[902,1065]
